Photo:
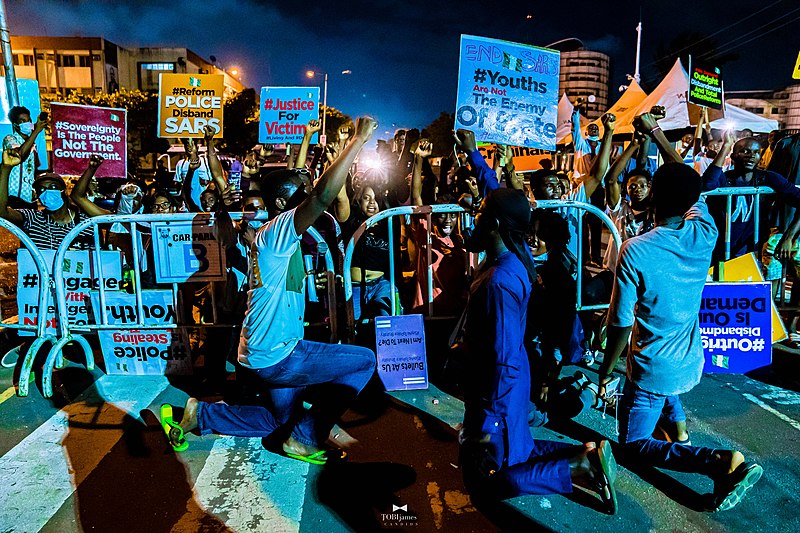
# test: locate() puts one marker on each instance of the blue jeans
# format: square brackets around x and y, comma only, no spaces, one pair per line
[374,300]
[639,412]
[545,472]
[343,369]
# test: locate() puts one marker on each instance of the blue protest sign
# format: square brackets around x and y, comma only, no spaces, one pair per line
[186,251]
[736,327]
[285,111]
[508,92]
[402,364]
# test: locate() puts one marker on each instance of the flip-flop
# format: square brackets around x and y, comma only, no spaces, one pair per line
[742,479]
[169,425]
[606,470]
[316,458]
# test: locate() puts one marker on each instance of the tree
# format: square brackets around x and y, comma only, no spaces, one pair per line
[334,119]
[240,129]
[440,132]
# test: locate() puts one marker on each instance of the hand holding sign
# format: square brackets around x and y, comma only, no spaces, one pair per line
[208,135]
[465,139]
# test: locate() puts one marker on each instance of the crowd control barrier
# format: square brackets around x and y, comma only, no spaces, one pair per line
[729,193]
[428,211]
[582,209]
[44,298]
[75,332]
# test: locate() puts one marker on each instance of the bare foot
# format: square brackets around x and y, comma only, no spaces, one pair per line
[189,420]
[291,445]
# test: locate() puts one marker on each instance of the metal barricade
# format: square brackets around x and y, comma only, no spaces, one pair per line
[582,208]
[45,288]
[68,332]
[729,193]
[428,211]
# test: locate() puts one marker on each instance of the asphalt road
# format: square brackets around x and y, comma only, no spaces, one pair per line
[94,458]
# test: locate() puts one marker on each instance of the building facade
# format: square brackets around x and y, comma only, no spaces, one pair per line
[782,105]
[585,73]
[89,65]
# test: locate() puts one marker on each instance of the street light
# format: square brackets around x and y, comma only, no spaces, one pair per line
[310,74]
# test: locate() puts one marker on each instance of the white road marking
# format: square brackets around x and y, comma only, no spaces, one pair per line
[248,488]
[37,473]
[792,422]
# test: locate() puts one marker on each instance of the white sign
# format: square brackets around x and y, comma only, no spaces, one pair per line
[400,343]
[187,251]
[145,351]
[80,277]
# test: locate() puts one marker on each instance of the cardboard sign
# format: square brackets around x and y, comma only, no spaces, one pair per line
[79,131]
[22,186]
[402,364]
[186,251]
[508,92]
[285,111]
[188,102]
[736,327]
[525,159]
[747,268]
[81,276]
[145,351]
[796,73]
[705,85]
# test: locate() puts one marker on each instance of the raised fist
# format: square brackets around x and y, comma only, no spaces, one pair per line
[96,160]
[208,133]
[11,157]
[313,127]
[365,126]
[424,148]
[44,117]
[658,112]
[465,139]
[609,121]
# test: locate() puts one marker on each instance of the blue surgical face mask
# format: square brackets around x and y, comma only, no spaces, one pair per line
[26,128]
[255,224]
[594,138]
[51,199]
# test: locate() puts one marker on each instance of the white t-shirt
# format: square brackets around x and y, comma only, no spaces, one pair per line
[657,289]
[200,179]
[20,180]
[628,222]
[273,323]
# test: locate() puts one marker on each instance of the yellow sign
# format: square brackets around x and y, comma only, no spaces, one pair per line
[746,268]
[188,102]
[796,73]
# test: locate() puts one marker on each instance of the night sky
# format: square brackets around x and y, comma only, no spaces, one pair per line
[404,55]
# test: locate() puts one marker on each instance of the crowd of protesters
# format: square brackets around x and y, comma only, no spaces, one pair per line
[517,321]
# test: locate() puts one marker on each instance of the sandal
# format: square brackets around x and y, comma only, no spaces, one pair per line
[605,475]
[179,444]
[316,458]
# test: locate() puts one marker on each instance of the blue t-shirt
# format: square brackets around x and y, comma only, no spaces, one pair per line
[657,290]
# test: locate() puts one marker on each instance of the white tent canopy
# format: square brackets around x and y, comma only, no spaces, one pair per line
[739,119]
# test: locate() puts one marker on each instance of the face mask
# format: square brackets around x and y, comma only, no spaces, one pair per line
[51,199]
[594,138]
[255,224]
[26,128]
[126,202]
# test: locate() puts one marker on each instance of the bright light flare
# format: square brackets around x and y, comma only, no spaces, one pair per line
[309,74]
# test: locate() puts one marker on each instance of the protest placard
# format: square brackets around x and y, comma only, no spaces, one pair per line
[188,102]
[525,159]
[187,251]
[796,72]
[705,85]
[81,275]
[285,111]
[747,268]
[736,327]
[402,363]
[82,130]
[508,92]
[142,351]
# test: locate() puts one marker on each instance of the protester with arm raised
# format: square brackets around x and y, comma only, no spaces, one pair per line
[78,194]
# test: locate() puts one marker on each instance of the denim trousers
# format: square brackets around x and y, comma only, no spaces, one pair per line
[639,411]
[338,372]
[372,298]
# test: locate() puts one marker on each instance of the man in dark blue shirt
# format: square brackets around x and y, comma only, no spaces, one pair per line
[745,157]
[499,456]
